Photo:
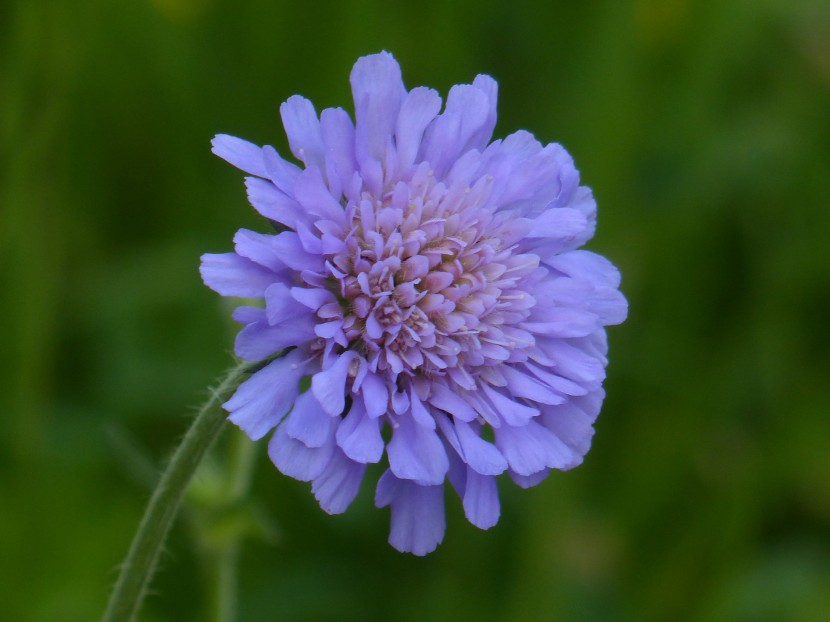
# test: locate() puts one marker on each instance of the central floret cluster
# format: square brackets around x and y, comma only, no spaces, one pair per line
[427,281]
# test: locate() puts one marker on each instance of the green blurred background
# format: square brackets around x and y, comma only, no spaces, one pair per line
[704,130]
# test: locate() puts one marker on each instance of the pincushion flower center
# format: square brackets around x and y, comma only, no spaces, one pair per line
[423,279]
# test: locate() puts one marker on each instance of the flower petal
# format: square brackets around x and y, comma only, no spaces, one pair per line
[419,108]
[338,137]
[528,481]
[260,340]
[522,385]
[586,266]
[573,421]
[281,306]
[311,192]
[280,171]
[329,385]
[416,453]
[419,413]
[490,88]
[263,400]
[303,130]
[241,153]
[480,455]
[229,274]
[512,412]
[295,459]
[560,223]
[378,89]
[481,500]
[309,422]
[561,322]
[288,248]
[273,203]
[258,247]
[338,484]
[418,522]
[312,297]
[556,382]
[375,395]
[531,448]
[572,362]
[466,114]
[442,397]
[358,435]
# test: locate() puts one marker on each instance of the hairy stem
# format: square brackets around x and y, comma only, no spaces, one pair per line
[140,564]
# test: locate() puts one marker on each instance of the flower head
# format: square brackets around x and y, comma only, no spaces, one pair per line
[425,280]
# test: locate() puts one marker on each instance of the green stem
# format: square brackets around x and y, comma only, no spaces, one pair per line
[224,560]
[138,567]
[224,582]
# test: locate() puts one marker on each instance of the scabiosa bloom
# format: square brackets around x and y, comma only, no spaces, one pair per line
[424,280]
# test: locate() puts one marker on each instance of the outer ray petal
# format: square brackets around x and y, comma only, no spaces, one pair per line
[265,398]
[309,423]
[378,90]
[303,130]
[338,484]
[418,521]
[241,153]
[358,435]
[229,274]
[295,459]
[481,500]
[416,453]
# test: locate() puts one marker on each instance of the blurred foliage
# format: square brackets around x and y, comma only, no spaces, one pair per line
[704,129]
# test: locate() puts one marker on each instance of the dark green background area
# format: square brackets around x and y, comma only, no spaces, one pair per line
[704,130]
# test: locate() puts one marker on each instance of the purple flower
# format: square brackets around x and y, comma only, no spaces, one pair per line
[425,280]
